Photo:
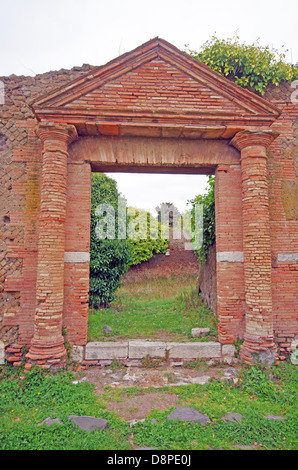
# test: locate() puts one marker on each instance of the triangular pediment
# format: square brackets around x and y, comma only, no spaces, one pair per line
[156,84]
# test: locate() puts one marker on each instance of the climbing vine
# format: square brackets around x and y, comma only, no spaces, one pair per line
[251,66]
[208,202]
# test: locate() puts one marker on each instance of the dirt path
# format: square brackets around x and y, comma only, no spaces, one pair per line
[145,400]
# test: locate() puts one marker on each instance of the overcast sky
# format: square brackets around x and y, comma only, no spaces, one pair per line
[37,36]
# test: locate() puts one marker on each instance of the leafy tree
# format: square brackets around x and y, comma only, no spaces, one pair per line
[109,257]
[251,66]
[111,252]
[145,235]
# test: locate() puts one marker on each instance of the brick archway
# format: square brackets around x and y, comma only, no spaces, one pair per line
[154,109]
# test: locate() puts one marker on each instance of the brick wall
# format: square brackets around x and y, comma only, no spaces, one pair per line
[128,90]
[20,155]
[283,204]
[283,194]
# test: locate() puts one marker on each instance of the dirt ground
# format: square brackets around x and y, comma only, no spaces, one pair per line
[142,403]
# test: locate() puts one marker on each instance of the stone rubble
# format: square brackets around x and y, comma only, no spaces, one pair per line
[195,332]
[233,417]
[88,423]
[49,421]
[188,414]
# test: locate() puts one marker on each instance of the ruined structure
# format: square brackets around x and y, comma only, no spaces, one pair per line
[154,109]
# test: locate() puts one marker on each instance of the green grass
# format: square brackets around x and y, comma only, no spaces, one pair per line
[254,396]
[159,309]
[27,399]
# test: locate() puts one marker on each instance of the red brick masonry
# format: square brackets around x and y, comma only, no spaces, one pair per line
[154,109]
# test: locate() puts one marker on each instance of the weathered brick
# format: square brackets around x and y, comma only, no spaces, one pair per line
[161,107]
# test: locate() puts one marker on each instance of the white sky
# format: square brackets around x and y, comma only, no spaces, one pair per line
[37,36]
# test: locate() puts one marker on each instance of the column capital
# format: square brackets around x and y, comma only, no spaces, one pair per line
[65,133]
[247,138]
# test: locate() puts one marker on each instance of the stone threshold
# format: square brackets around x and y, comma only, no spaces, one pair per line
[95,352]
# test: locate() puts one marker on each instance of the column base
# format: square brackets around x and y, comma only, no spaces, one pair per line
[258,349]
[47,353]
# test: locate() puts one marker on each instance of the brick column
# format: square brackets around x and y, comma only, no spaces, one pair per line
[229,253]
[258,342]
[47,345]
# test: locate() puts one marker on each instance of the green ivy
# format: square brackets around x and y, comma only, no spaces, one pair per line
[250,66]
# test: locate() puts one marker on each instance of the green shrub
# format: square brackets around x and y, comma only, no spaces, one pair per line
[251,66]
[109,262]
[144,235]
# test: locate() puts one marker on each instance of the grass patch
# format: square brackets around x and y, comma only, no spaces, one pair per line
[215,399]
[159,309]
[27,399]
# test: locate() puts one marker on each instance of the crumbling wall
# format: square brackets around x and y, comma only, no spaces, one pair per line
[283,198]
[283,201]
[20,151]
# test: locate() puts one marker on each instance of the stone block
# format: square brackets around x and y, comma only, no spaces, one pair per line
[275,418]
[195,332]
[287,257]
[106,350]
[188,414]
[230,256]
[76,257]
[233,417]
[49,422]
[139,348]
[228,350]
[88,423]
[77,353]
[2,353]
[202,380]
[194,350]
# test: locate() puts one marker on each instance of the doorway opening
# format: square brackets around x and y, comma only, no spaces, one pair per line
[157,297]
